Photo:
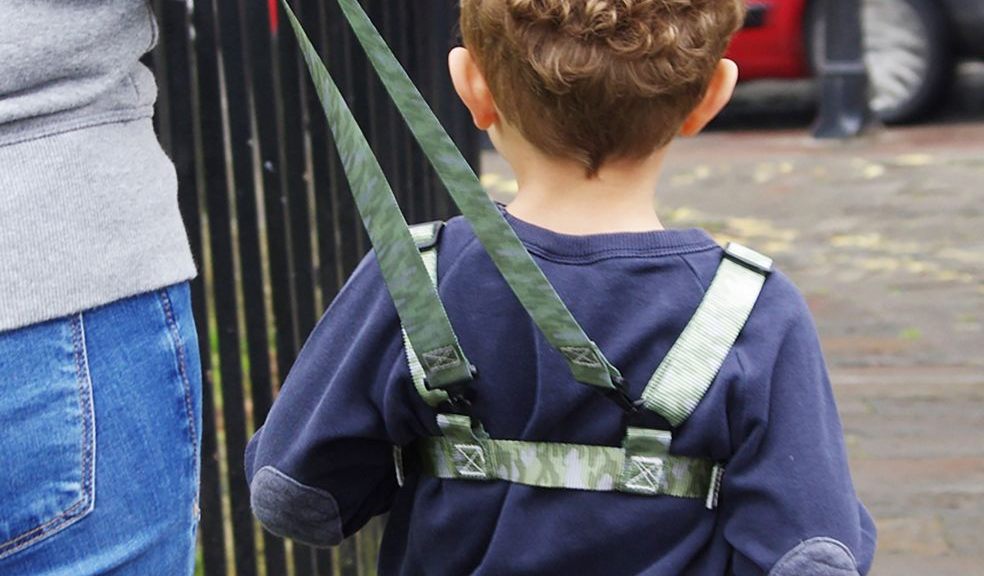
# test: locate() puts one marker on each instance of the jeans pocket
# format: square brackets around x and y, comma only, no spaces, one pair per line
[47,449]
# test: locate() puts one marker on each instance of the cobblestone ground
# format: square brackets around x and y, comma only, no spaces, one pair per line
[885,237]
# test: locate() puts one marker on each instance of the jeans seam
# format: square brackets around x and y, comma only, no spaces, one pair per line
[71,513]
[179,350]
[85,404]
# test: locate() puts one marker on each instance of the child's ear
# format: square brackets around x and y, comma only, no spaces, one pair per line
[472,88]
[718,94]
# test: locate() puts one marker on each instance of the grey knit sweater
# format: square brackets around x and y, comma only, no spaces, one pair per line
[88,200]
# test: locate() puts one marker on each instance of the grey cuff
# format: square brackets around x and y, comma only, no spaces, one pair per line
[293,510]
[817,557]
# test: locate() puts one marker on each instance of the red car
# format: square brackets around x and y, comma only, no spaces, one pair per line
[910,47]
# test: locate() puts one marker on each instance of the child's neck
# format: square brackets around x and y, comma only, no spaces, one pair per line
[557,196]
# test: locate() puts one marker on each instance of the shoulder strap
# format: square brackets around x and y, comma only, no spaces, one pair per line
[587,363]
[421,312]
[426,237]
[693,362]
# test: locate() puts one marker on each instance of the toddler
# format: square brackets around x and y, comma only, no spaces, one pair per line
[729,460]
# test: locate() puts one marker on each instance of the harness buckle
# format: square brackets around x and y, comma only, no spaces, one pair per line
[459,400]
[620,396]
[748,258]
[427,235]
[460,396]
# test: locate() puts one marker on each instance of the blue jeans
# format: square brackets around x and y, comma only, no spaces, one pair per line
[100,428]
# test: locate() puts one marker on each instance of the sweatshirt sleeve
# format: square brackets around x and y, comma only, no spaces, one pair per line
[788,505]
[322,465]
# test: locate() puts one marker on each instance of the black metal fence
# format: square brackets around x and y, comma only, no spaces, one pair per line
[271,222]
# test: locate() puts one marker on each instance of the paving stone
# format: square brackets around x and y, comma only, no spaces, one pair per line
[910,565]
[913,536]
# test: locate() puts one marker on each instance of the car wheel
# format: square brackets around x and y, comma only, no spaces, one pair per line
[906,51]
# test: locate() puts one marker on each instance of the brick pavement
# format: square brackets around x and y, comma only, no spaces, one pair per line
[884,237]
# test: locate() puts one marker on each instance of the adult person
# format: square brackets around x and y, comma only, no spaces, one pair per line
[100,381]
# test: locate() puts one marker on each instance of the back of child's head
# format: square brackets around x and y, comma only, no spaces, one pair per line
[597,80]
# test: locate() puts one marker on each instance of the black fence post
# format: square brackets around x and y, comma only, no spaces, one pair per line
[843,77]
[178,117]
[220,207]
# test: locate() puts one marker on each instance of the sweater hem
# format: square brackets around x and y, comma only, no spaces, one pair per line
[45,311]
[87,217]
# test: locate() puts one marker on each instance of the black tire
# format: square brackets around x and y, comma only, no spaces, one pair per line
[906,82]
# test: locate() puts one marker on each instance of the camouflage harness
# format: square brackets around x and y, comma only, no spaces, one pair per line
[643,464]
[441,372]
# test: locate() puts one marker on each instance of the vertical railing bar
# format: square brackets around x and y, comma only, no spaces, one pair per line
[305,563]
[351,225]
[266,89]
[279,210]
[237,40]
[334,42]
[182,147]
[424,180]
[347,554]
[324,563]
[222,245]
[403,147]
[298,175]
[358,98]
[292,110]
[439,96]
[321,171]
[390,121]
[322,153]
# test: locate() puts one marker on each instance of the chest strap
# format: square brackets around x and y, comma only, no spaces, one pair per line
[643,465]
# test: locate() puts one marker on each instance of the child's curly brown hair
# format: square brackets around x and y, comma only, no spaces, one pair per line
[594,80]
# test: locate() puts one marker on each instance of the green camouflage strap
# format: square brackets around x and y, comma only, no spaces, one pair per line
[421,312]
[692,364]
[425,236]
[587,363]
[642,466]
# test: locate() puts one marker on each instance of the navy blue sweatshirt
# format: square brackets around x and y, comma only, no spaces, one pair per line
[322,464]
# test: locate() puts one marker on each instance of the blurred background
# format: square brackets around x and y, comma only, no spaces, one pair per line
[922,57]
[853,153]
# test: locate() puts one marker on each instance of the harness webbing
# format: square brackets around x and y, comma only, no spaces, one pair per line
[643,465]
[421,312]
[691,365]
[538,297]
[425,236]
